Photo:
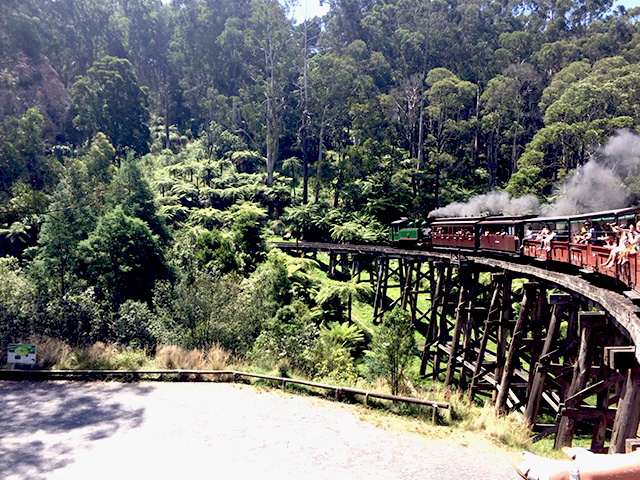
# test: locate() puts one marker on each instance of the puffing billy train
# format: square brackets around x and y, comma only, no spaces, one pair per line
[583,241]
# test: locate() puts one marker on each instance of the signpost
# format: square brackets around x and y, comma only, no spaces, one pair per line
[21,354]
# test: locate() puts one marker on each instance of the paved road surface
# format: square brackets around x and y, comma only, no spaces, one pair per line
[208,431]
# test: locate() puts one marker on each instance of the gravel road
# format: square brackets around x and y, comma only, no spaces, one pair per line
[64,430]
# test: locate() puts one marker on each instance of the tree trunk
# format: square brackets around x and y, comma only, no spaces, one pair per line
[420,161]
[305,114]
[319,163]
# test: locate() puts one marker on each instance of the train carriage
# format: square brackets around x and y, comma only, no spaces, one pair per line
[569,244]
[557,249]
[594,254]
[502,234]
[583,241]
[459,232]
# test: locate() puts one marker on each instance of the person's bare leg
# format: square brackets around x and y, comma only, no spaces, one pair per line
[592,467]
[624,466]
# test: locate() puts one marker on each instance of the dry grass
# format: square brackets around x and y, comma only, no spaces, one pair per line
[217,358]
[174,357]
[50,351]
[506,430]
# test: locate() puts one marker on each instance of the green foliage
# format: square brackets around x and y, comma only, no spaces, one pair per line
[214,253]
[285,337]
[525,181]
[17,302]
[99,159]
[122,258]
[22,153]
[393,348]
[130,190]
[67,222]
[331,354]
[132,325]
[360,230]
[109,100]
[247,222]
[78,318]
[208,310]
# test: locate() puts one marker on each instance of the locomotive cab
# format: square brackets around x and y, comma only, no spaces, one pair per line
[408,233]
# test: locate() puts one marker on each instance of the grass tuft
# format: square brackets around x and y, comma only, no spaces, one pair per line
[505,430]
[50,351]
[173,357]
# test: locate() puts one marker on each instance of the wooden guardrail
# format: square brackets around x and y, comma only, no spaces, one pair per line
[233,374]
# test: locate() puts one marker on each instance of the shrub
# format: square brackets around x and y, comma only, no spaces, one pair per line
[285,337]
[49,351]
[393,347]
[132,325]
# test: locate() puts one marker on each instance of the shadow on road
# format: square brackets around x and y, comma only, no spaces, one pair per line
[37,417]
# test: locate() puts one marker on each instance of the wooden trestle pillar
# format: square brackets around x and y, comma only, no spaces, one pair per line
[491,325]
[461,318]
[627,417]
[558,302]
[589,323]
[443,324]
[517,337]
[437,299]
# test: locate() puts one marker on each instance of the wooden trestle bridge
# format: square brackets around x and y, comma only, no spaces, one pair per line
[553,347]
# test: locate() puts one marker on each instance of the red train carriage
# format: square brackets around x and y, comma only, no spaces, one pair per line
[460,232]
[501,234]
[586,241]
[556,248]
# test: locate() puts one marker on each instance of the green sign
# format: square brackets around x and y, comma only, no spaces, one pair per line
[24,354]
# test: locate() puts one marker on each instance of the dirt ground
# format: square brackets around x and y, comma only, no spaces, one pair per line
[60,430]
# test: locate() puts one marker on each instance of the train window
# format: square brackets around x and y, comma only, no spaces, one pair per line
[626,219]
[562,231]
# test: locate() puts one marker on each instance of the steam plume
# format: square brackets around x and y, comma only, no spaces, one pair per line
[492,203]
[599,183]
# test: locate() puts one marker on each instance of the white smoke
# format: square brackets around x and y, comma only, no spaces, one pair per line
[599,183]
[492,203]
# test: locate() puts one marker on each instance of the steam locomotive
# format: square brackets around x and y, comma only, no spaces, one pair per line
[516,237]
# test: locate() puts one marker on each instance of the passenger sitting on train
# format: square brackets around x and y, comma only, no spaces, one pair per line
[592,235]
[628,237]
[580,237]
[577,238]
[632,246]
[546,242]
[607,236]
[544,233]
[528,235]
